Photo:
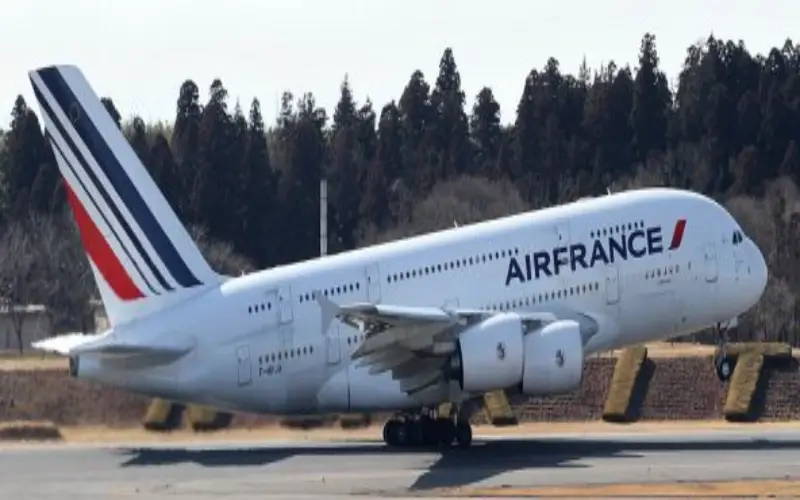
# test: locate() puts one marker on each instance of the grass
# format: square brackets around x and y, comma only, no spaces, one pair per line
[29,431]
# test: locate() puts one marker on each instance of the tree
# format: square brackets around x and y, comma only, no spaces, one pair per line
[19,276]
[729,129]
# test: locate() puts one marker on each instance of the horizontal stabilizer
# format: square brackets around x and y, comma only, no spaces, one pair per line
[106,345]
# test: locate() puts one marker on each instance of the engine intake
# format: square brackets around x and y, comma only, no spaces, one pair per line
[490,354]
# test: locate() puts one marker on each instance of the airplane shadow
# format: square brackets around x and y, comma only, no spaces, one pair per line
[453,467]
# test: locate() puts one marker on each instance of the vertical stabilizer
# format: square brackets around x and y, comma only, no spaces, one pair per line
[142,257]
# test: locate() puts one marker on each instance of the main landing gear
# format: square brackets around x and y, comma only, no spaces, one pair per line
[428,430]
[723,363]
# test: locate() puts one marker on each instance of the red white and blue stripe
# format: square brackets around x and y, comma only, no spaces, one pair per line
[124,239]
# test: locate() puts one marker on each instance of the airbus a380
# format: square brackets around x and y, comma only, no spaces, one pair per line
[516,303]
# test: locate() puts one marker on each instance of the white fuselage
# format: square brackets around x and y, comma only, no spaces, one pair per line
[258,339]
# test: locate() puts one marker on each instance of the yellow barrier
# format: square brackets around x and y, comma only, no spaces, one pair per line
[624,385]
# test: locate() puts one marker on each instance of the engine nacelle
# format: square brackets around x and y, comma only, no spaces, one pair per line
[490,354]
[554,359]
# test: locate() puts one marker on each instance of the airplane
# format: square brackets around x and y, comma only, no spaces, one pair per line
[407,327]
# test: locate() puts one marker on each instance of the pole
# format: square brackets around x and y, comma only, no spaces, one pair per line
[323,217]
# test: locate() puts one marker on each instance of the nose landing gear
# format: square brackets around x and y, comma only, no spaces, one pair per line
[723,362]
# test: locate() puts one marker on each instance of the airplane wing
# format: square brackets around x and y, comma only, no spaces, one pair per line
[410,341]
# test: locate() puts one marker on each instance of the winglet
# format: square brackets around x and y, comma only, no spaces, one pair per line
[329,309]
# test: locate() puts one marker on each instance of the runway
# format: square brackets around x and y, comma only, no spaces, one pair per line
[367,469]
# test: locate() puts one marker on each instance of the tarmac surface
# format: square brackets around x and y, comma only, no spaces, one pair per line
[367,469]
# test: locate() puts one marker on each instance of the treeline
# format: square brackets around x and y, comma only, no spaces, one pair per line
[730,129]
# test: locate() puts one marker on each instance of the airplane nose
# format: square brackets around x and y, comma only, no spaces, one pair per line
[759,273]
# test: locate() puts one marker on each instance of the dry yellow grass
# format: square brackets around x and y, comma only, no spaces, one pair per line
[29,431]
[782,488]
[11,364]
[688,350]
[97,434]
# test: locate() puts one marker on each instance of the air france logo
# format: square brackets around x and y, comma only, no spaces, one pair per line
[620,247]
[501,351]
[560,358]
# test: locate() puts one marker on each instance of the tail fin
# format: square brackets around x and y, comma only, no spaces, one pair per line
[142,257]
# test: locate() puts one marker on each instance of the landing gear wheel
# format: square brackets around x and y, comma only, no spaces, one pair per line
[428,429]
[463,434]
[395,433]
[724,367]
[446,431]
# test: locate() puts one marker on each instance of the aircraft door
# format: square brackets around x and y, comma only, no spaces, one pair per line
[332,344]
[738,260]
[711,262]
[612,284]
[285,304]
[373,283]
[270,308]
[563,240]
[243,365]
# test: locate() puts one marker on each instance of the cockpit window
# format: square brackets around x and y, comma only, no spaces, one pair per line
[737,237]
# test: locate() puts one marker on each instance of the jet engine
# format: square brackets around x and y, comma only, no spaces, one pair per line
[490,354]
[554,359]
[497,353]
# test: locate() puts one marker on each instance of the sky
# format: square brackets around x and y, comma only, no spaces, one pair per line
[139,52]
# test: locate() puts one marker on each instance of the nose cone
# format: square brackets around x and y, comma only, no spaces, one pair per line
[758,271]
